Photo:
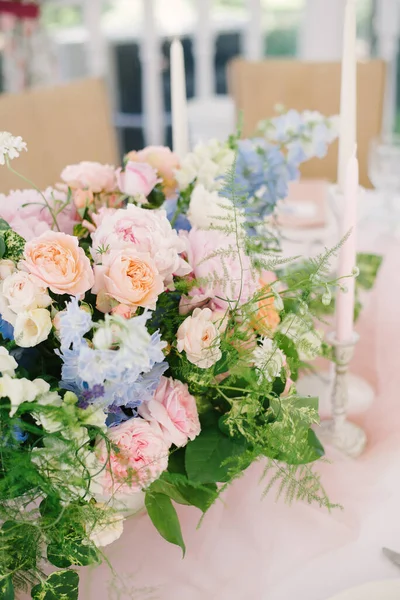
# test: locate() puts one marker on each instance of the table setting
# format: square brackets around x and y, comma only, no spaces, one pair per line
[198,367]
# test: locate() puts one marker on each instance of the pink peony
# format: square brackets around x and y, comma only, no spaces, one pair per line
[25,211]
[163,161]
[225,274]
[137,180]
[141,457]
[175,411]
[198,336]
[145,231]
[91,176]
[130,277]
[57,260]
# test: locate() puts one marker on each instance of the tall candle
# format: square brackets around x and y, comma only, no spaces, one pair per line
[180,136]
[348,93]
[348,255]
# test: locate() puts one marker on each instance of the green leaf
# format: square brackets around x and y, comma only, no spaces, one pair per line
[4,225]
[181,490]
[163,515]
[176,462]
[2,246]
[368,265]
[208,456]
[62,585]
[72,553]
[315,444]
[7,589]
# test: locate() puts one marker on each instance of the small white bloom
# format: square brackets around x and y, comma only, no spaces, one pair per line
[10,146]
[308,340]
[18,391]
[208,209]
[50,422]
[94,416]
[103,338]
[269,359]
[103,534]
[32,327]
[7,362]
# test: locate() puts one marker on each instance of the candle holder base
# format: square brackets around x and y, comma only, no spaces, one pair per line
[348,439]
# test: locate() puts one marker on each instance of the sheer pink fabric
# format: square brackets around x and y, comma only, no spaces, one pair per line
[253,549]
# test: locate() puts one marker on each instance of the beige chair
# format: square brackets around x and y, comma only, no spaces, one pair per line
[258,86]
[62,125]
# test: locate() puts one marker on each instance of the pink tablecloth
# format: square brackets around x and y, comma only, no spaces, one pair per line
[253,549]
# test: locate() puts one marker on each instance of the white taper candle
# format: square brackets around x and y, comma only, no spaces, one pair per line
[180,133]
[348,254]
[348,93]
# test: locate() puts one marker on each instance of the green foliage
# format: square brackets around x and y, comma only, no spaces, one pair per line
[184,491]
[6,588]
[163,515]
[368,265]
[62,585]
[14,245]
[211,455]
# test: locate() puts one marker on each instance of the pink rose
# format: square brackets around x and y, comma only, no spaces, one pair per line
[123,310]
[56,259]
[226,275]
[137,180]
[91,176]
[83,198]
[163,161]
[130,277]
[145,231]
[141,458]
[175,411]
[198,336]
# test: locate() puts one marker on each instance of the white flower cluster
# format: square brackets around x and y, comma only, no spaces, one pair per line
[269,359]
[10,146]
[207,164]
[207,209]
[308,340]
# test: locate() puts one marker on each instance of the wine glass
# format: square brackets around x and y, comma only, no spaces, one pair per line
[384,168]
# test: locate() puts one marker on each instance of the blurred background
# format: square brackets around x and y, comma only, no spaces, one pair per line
[127,42]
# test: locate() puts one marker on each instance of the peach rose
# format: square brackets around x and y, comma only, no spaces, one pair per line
[56,259]
[266,318]
[130,277]
[137,180]
[163,161]
[175,411]
[198,336]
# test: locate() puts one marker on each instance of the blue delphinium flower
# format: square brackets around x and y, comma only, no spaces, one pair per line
[132,395]
[74,324]
[6,329]
[181,222]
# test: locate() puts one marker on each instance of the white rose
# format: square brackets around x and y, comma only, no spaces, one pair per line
[103,534]
[7,362]
[198,336]
[208,209]
[18,391]
[50,422]
[7,267]
[23,292]
[32,327]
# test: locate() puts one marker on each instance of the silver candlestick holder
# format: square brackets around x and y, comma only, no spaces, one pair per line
[338,431]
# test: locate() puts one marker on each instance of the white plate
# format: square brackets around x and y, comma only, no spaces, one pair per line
[380,590]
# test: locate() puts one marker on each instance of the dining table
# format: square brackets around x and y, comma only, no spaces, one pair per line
[251,547]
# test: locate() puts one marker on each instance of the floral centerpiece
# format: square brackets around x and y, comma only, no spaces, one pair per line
[150,347]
